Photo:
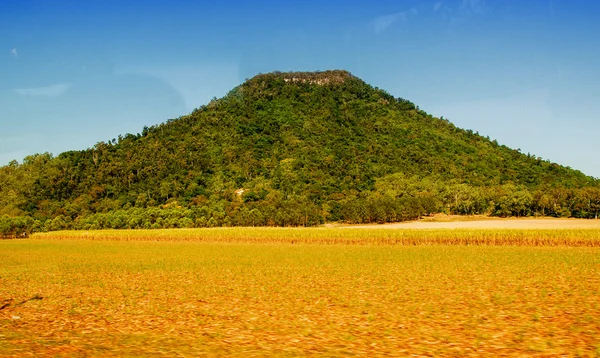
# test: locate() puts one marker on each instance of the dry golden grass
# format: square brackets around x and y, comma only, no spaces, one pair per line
[589,237]
[180,296]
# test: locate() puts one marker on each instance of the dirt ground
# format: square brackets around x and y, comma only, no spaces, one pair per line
[488,223]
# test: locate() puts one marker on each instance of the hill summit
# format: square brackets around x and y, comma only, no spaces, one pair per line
[295,148]
[313,78]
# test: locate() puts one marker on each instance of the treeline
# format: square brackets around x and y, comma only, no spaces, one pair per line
[289,149]
[395,199]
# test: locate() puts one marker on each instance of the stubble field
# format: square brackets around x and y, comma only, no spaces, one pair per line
[302,292]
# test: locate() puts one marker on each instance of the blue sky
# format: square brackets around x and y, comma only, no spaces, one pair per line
[73,73]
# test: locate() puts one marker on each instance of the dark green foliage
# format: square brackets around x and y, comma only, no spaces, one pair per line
[305,148]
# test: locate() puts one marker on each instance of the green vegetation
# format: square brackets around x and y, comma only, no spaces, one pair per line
[288,149]
[140,298]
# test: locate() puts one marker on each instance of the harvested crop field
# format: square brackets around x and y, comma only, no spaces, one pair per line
[363,235]
[73,296]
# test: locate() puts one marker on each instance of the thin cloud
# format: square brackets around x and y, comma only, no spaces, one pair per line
[437,6]
[382,23]
[477,6]
[14,53]
[48,91]
[196,84]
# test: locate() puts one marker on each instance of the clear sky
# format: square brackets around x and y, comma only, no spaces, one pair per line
[527,73]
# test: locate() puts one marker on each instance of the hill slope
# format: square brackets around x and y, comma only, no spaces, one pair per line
[290,149]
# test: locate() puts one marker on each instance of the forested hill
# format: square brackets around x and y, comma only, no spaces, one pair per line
[289,149]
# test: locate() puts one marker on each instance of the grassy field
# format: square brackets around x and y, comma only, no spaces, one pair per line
[219,293]
[589,237]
